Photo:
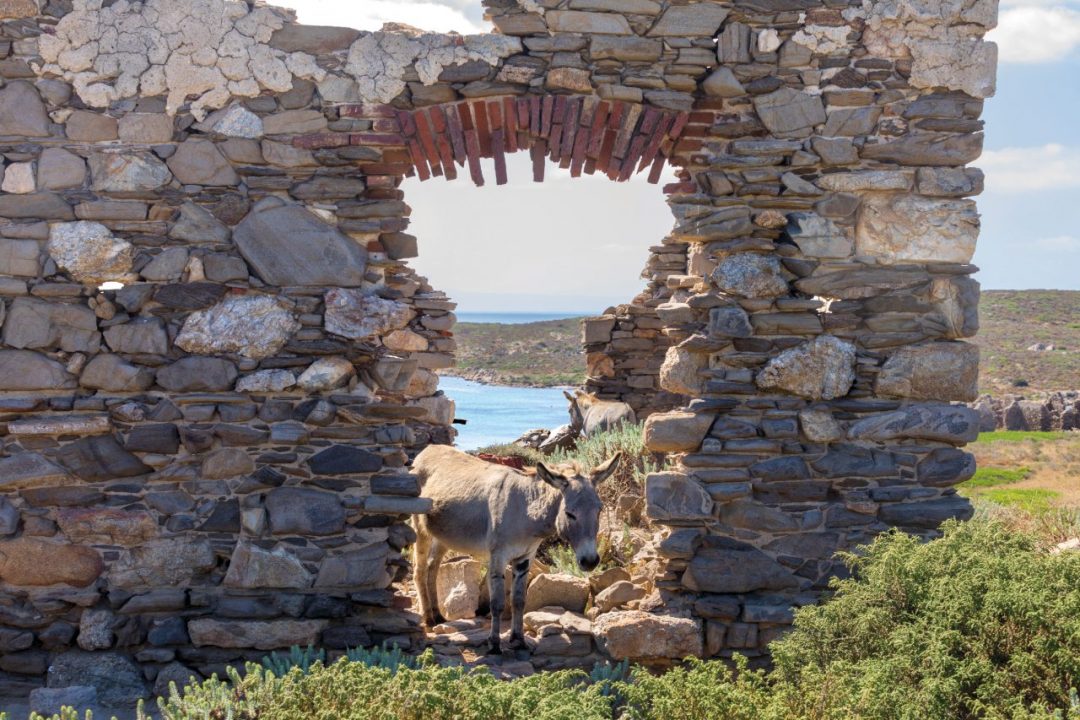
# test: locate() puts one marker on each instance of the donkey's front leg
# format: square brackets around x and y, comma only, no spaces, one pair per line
[517,623]
[497,596]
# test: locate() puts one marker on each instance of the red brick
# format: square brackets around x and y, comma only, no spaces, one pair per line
[658,134]
[495,117]
[438,119]
[581,144]
[367,111]
[483,127]
[511,118]
[408,124]
[596,131]
[386,125]
[418,160]
[546,119]
[498,149]
[373,139]
[657,169]
[457,134]
[538,152]
[427,141]
[677,127]
[472,146]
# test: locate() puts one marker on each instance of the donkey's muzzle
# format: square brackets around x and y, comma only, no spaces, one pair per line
[589,562]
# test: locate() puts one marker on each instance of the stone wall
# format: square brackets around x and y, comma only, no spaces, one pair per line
[216,364]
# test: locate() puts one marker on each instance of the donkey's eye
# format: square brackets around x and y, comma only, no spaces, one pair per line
[571,516]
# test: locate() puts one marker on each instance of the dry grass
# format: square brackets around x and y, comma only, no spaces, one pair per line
[1051,462]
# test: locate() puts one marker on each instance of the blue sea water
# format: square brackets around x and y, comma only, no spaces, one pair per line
[515,318]
[498,414]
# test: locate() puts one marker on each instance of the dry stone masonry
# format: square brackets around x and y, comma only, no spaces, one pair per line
[216,363]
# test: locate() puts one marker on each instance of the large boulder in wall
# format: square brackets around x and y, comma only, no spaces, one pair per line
[287,245]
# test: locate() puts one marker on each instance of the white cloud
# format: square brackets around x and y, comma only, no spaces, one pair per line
[433,15]
[1037,33]
[1060,243]
[1030,169]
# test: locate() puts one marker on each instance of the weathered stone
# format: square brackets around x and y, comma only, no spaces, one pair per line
[197,374]
[15,9]
[835,151]
[257,634]
[681,370]
[327,373]
[751,275]
[573,21]
[28,370]
[226,463]
[99,458]
[160,438]
[788,113]
[676,498]
[35,324]
[118,681]
[929,514]
[224,268]
[287,245]
[949,182]
[302,511]
[867,180]
[294,122]
[819,369]
[128,173]
[196,224]
[945,467]
[358,569]
[59,169]
[266,381]
[39,206]
[253,326]
[852,122]
[819,425]
[95,629]
[146,128]
[176,675]
[18,179]
[912,229]
[34,563]
[50,701]
[89,252]
[612,47]
[555,590]
[817,236]
[171,562]
[954,424]
[844,461]
[344,460]
[729,321]
[730,566]
[22,113]
[167,265]
[637,635]
[358,315]
[723,83]
[9,524]
[27,470]
[141,336]
[697,20]
[313,39]
[676,431]
[617,595]
[927,149]
[199,162]
[20,257]
[252,567]
[934,371]
[189,295]
[236,121]
[458,588]
[87,126]
[966,64]
[106,526]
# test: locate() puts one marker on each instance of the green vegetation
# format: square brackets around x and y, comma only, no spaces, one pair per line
[539,354]
[991,477]
[1033,500]
[1022,436]
[983,623]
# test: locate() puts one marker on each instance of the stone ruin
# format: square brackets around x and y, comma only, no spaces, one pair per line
[216,362]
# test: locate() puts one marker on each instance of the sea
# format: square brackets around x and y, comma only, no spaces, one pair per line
[501,414]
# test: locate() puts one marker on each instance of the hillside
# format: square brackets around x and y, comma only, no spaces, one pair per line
[1011,321]
[537,354]
[547,353]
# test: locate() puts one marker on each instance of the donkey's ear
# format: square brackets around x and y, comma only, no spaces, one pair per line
[602,472]
[569,397]
[554,480]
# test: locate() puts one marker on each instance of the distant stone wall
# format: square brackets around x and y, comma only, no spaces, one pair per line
[216,364]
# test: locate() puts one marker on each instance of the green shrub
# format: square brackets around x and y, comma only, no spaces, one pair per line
[978,624]
[992,476]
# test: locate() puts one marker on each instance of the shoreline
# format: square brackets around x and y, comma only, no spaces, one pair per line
[494,378]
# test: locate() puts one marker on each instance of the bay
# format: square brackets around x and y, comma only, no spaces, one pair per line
[501,414]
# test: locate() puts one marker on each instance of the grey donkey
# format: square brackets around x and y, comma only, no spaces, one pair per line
[501,515]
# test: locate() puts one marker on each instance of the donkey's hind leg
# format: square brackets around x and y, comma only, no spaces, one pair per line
[421,553]
[431,576]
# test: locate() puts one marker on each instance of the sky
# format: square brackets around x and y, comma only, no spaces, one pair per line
[577,245]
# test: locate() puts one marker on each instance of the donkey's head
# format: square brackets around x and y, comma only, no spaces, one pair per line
[579,512]
[580,402]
